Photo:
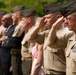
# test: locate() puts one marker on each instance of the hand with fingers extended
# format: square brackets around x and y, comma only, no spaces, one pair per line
[24,23]
[42,22]
[58,23]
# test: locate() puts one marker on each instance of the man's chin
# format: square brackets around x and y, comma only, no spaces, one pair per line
[69,29]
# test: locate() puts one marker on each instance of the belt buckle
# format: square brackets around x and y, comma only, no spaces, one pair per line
[49,72]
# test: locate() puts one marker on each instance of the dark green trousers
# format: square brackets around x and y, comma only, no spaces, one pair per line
[26,67]
[16,64]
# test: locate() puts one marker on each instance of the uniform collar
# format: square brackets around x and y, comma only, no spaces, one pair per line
[73,37]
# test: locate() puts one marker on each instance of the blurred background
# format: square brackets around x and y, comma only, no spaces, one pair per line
[36,4]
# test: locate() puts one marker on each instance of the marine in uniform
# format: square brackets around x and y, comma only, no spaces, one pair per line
[67,41]
[29,19]
[54,58]
[17,37]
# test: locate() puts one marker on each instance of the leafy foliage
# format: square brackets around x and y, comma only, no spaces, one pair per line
[36,4]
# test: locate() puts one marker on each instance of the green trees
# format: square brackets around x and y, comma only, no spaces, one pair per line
[36,4]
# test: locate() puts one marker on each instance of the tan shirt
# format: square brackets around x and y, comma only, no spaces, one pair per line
[67,41]
[2,29]
[54,58]
[19,29]
[26,50]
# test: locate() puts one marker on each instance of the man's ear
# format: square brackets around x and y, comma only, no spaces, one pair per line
[58,16]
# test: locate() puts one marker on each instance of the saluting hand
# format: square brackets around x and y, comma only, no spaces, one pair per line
[42,22]
[58,23]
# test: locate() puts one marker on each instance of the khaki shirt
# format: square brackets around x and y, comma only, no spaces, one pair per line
[54,58]
[19,29]
[71,56]
[2,29]
[68,41]
[26,50]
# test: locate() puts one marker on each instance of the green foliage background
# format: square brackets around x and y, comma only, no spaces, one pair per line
[36,4]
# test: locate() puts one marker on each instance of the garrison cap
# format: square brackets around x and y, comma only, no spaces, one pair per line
[68,8]
[28,12]
[3,12]
[52,7]
[17,8]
